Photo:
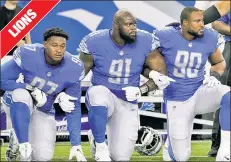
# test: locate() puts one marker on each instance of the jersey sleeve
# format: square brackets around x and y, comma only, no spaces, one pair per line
[18,57]
[84,45]
[159,37]
[224,19]
[155,40]
[147,40]
[22,55]
[87,43]
[9,73]
[214,37]
[11,70]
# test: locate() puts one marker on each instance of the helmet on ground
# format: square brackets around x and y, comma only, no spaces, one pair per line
[149,141]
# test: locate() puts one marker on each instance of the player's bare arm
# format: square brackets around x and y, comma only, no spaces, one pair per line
[87,60]
[155,61]
[216,11]
[156,69]
[223,7]
[218,63]
[28,39]
[20,43]
[221,27]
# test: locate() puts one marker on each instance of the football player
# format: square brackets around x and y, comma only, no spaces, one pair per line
[116,57]
[186,49]
[216,11]
[50,74]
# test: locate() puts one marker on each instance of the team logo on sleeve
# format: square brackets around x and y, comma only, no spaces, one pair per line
[82,75]
[83,47]
[155,41]
[49,74]
[77,60]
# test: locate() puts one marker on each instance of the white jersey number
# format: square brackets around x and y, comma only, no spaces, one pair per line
[41,83]
[116,69]
[30,47]
[184,64]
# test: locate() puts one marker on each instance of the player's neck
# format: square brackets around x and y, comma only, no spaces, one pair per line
[186,35]
[117,39]
[10,6]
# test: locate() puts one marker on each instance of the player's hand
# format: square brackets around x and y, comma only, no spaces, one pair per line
[76,151]
[39,96]
[211,81]
[162,81]
[66,102]
[132,93]
[29,87]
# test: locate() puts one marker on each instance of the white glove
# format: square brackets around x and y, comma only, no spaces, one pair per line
[39,96]
[29,87]
[162,81]
[132,93]
[20,78]
[76,151]
[65,102]
[211,81]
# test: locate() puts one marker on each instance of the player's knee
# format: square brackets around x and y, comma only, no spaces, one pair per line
[42,154]
[122,153]
[98,96]
[182,155]
[22,95]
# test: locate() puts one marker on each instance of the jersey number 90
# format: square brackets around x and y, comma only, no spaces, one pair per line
[187,64]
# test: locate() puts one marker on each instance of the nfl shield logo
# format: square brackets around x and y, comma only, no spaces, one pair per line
[121,53]
[49,74]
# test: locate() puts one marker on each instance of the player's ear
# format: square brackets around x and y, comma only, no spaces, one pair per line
[45,44]
[116,25]
[185,22]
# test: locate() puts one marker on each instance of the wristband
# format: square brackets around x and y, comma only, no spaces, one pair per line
[215,74]
[144,89]
[211,14]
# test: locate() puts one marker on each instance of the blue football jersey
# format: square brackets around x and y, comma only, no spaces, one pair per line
[50,79]
[185,60]
[116,66]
